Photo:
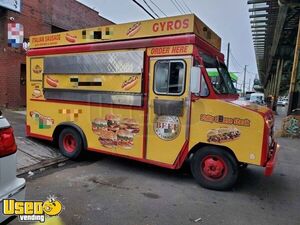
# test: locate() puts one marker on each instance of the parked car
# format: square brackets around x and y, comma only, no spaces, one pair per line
[257,98]
[10,186]
[282,102]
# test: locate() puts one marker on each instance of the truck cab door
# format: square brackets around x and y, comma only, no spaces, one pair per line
[169,108]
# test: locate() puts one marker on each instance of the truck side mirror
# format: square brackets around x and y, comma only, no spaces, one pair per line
[195,80]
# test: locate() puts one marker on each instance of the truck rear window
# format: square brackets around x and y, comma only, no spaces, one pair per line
[169,77]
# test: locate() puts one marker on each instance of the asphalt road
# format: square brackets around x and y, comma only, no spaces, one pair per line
[106,190]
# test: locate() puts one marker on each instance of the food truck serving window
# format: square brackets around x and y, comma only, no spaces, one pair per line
[169,77]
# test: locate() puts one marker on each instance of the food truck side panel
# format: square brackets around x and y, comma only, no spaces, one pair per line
[219,122]
[75,98]
[44,116]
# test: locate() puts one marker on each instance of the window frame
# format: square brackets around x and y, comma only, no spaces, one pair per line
[202,77]
[184,79]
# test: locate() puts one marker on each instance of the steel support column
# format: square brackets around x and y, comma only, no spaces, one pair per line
[277,82]
[295,71]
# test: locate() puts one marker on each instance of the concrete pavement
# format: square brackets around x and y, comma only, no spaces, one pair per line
[32,154]
[107,190]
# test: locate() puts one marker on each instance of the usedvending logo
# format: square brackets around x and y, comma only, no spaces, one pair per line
[167,127]
[33,211]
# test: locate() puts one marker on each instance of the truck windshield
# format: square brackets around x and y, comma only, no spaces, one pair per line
[218,75]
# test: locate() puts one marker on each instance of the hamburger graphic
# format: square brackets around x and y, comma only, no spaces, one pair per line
[125,139]
[99,124]
[107,138]
[37,93]
[114,131]
[223,134]
[113,122]
[130,125]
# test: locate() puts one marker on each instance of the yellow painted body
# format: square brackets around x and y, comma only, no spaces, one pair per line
[159,139]
[142,29]
[159,149]
[62,112]
[205,117]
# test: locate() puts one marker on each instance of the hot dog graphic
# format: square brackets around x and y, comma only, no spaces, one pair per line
[134,29]
[52,82]
[71,38]
[130,83]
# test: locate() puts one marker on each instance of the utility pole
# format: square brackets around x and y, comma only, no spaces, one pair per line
[249,87]
[244,82]
[228,51]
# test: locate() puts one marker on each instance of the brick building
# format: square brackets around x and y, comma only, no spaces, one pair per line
[37,17]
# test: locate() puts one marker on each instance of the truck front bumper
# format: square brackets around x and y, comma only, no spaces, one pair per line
[272,161]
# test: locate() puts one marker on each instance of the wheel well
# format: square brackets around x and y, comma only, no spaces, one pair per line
[62,126]
[201,145]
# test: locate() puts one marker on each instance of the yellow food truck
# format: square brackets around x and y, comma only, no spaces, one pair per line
[142,91]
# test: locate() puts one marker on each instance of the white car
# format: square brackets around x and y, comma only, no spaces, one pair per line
[10,186]
[257,98]
[282,102]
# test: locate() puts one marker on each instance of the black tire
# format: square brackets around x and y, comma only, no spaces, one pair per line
[243,166]
[70,143]
[214,168]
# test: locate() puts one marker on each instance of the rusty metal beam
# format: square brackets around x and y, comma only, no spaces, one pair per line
[258,21]
[258,35]
[259,26]
[256,1]
[277,33]
[278,81]
[259,15]
[259,30]
[258,9]
[294,71]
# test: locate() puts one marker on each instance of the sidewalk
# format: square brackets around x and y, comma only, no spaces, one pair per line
[32,154]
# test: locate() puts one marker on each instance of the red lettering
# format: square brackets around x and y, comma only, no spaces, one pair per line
[185,23]
[38,39]
[160,51]
[180,49]
[155,27]
[170,25]
[177,24]
[162,25]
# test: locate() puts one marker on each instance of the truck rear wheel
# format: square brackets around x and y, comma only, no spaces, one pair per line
[70,143]
[214,168]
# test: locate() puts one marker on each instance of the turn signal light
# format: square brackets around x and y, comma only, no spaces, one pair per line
[7,142]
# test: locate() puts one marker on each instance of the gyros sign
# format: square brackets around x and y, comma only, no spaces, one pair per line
[171,25]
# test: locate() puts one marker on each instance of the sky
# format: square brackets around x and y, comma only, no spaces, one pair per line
[228,18]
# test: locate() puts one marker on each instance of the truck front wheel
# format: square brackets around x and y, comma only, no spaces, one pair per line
[70,143]
[214,168]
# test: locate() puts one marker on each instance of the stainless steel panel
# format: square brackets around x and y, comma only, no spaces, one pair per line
[95,97]
[106,63]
